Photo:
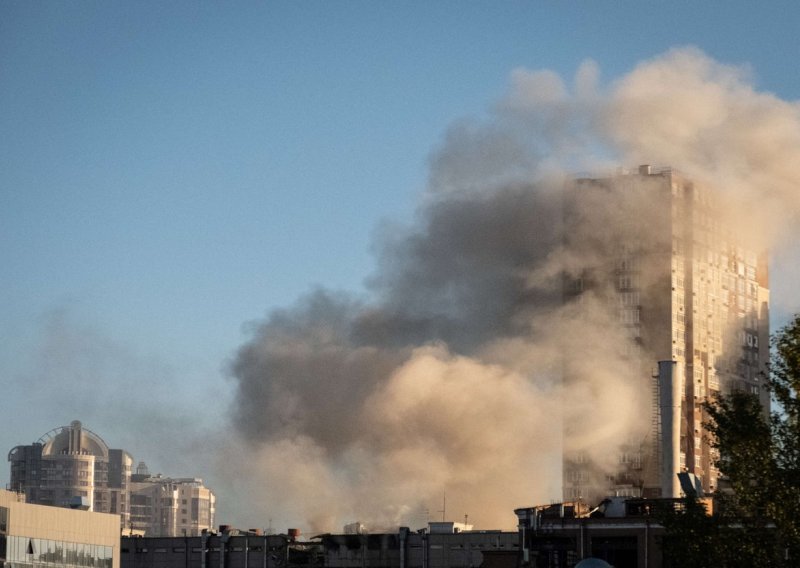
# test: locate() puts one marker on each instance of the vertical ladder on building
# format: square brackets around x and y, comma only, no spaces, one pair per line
[655,427]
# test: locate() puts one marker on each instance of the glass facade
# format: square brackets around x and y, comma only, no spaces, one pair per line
[26,552]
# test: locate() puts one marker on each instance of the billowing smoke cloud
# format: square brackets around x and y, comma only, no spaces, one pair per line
[447,376]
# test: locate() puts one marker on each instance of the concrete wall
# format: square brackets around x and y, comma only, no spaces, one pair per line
[386,550]
[55,523]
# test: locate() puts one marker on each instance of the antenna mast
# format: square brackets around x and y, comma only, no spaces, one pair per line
[443,510]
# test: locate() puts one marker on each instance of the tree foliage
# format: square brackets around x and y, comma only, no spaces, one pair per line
[757,522]
[695,539]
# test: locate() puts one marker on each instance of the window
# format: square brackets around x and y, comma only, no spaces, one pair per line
[574,493]
[629,316]
[575,475]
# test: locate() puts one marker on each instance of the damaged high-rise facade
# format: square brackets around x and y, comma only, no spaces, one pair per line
[660,252]
[73,467]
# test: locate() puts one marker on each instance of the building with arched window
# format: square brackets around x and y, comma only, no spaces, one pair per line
[73,467]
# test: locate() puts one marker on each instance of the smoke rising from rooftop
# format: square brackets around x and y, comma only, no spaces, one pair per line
[447,374]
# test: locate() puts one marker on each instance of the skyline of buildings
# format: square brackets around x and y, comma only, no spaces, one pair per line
[684,289]
[666,263]
[73,467]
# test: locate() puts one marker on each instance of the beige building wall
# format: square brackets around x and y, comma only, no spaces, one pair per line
[195,509]
[72,463]
[59,524]
[687,290]
[163,506]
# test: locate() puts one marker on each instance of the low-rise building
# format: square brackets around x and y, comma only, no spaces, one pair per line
[234,549]
[436,548]
[38,536]
[401,549]
[625,532]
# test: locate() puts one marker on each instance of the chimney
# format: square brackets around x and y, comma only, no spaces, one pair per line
[670,380]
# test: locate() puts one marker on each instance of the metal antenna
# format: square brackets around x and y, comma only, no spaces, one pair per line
[443,510]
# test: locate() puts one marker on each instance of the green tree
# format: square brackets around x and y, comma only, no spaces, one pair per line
[692,536]
[760,457]
[698,538]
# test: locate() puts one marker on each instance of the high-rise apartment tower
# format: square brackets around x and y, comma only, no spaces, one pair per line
[71,466]
[662,254]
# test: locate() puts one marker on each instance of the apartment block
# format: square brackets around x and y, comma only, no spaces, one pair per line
[686,288]
[165,506]
[73,467]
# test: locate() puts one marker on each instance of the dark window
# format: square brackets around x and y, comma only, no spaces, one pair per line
[619,551]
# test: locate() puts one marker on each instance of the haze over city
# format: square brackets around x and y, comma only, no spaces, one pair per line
[307,252]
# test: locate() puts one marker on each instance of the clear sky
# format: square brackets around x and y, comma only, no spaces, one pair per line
[170,171]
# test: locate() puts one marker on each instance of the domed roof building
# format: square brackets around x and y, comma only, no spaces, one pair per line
[71,466]
[73,440]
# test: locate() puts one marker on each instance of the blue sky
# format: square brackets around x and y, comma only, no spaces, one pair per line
[172,171]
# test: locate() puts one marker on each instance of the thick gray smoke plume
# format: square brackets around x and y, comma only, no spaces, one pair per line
[447,375]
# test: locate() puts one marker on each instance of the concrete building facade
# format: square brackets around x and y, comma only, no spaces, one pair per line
[687,290]
[623,532]
[37,536]
[403,549]
[72,466]
[165,506]
[421,549]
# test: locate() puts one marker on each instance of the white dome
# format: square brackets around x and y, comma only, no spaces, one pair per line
[73,440]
